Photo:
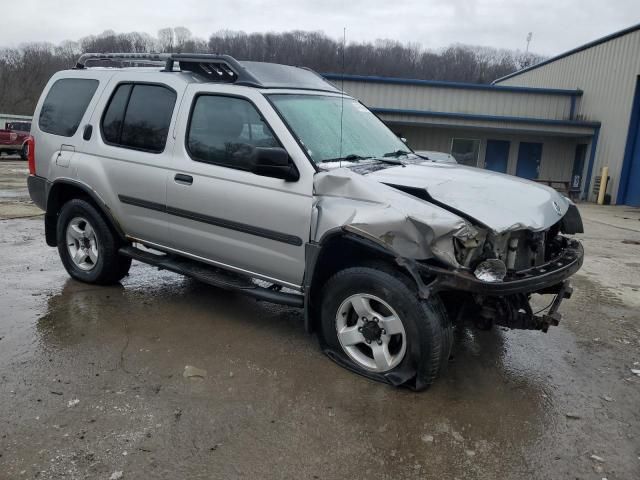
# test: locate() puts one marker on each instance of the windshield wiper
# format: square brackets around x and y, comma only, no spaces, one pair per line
[397,153]
[350,158]
[389,161]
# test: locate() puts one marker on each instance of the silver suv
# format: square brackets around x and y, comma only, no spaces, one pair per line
[266,179]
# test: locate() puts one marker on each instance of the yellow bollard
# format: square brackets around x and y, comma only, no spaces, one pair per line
[603,185]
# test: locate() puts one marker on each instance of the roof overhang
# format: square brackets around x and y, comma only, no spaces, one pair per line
[504,124]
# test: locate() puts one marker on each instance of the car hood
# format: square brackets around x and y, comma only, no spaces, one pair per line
[498,201]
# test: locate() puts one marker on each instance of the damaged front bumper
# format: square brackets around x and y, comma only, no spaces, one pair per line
[532,280]
[507,302]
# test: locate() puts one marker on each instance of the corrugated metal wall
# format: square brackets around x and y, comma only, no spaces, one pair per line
[557,152]
[607,73]
[442,99]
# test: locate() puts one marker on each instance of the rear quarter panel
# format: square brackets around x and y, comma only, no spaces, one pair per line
[47,145]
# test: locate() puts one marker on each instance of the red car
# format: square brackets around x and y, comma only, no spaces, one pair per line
[13,138]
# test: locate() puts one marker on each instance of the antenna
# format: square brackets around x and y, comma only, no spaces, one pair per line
[344,45]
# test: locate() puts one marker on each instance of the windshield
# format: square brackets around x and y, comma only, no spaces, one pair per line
[315,120]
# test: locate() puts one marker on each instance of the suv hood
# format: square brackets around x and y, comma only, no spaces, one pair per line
[498,201]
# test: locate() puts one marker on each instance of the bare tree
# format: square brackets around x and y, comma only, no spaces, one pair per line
[24,71]
[182,36]
[166,39]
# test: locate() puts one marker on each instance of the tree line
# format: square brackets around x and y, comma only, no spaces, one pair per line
[25,70]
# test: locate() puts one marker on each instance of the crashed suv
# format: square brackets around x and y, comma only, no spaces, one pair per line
[267,180]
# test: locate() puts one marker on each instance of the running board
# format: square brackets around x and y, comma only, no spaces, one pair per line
[211,275]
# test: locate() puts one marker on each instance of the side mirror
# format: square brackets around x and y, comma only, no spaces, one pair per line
[274,162]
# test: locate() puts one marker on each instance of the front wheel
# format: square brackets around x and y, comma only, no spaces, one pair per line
[372,322]
[87,246]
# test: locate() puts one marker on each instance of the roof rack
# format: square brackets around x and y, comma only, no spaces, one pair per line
[219,68]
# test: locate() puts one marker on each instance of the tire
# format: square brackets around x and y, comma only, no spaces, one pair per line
[82,230]
[23,153]
[426,330]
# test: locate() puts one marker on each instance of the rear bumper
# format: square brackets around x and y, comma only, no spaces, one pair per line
[38,190]
[536,279]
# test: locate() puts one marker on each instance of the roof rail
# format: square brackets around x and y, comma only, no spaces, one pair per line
[148,58]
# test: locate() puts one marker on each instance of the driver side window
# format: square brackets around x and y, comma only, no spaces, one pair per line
[225,131]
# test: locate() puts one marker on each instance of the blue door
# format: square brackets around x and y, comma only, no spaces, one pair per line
[629,190]
[529,156]
[578,166]
[497,156]
[632,197]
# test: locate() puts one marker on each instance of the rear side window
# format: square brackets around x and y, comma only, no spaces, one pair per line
[225,131]
[65,104]
[138,117]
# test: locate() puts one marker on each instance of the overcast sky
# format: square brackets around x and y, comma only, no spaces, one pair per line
[557,25]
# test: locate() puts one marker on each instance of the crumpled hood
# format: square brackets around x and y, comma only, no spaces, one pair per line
[501,202]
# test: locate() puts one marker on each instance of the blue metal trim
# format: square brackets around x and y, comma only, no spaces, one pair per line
[572,111]
[592,158]
[634,123]
[460,85]
[586,46]
[490,118]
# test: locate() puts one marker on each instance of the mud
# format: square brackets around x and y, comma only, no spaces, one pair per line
[92,383]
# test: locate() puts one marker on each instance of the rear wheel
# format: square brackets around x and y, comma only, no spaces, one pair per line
[87,245]
[23,153]
[373,323]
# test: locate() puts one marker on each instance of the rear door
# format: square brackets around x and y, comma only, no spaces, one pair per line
[129,151]
[221,212]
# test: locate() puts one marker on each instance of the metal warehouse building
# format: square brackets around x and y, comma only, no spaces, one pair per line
[556,122]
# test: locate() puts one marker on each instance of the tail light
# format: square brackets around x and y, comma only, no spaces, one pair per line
[30,145]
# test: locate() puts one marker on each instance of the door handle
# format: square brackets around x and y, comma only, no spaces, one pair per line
[88,131]
[183,179]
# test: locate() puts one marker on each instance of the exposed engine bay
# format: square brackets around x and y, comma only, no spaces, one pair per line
[486,249]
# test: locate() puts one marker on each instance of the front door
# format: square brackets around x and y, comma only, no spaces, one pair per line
[497,156]
[529,156]
[223,213]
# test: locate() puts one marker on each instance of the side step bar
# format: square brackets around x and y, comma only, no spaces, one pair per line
[216,277]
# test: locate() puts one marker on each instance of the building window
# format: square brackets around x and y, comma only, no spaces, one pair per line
[465,150]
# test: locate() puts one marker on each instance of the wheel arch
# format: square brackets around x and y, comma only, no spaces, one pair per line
[338,249]
[61,191]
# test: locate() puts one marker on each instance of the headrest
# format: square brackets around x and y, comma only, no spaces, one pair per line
[224,123]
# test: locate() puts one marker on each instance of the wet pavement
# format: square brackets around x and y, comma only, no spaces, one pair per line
[91,382]
[14,196]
